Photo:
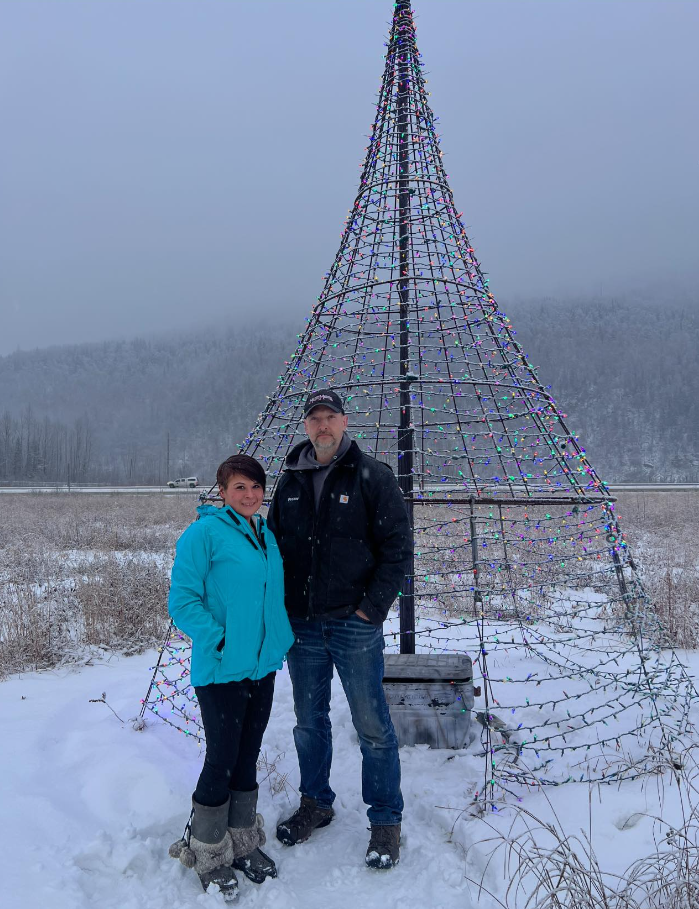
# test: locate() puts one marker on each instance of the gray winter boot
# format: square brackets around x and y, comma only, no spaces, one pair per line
[247,835]
[206,847]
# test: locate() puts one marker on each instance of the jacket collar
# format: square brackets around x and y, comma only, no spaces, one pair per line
[241,524]
[256,536]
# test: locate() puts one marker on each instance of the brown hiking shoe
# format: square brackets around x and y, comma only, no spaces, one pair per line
[307,817]
[384,846]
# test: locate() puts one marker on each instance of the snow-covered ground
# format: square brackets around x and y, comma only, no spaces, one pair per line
[90,806]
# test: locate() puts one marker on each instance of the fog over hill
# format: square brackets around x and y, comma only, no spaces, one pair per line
[623,370]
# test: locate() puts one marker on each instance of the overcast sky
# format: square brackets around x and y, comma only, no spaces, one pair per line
[167,163]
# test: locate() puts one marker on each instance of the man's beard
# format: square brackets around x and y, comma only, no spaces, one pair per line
[325,443]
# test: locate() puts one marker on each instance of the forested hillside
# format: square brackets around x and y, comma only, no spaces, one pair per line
[627,374]
[625,371]
[110,412]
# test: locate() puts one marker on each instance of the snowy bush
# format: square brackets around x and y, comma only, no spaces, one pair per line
[84,572]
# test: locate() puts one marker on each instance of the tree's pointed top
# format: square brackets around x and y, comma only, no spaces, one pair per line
[403,28]
[403,14]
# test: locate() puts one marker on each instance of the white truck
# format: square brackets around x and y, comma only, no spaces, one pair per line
[183,483]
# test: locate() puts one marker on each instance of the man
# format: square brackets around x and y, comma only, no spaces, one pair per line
[341,523]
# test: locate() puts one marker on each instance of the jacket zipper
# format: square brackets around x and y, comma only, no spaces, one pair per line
[316,515]
[262,549]
[313,545]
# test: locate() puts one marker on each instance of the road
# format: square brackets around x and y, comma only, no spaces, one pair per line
[133,490]
[164,490]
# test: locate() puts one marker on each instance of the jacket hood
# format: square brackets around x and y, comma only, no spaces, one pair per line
[204,510]
[228,516]
[302,456]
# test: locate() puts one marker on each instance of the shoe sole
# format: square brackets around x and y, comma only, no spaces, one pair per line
[288,841]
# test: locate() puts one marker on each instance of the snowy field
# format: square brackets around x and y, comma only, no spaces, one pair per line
[90,805]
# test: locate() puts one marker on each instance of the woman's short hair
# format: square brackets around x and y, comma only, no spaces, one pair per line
[244,464]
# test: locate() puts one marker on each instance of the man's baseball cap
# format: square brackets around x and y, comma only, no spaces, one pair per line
[325,397]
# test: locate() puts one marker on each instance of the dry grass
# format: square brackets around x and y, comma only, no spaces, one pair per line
[122,604]
[663,530]
[84,573]
[549,868]
[91,571]
[106,523]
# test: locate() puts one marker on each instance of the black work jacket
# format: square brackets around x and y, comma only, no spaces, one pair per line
[355,551]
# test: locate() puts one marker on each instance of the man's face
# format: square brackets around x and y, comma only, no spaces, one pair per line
[325,428]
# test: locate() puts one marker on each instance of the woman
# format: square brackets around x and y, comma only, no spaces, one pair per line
[227,594]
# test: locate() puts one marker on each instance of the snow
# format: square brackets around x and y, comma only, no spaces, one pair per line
[90,807]
[567,693]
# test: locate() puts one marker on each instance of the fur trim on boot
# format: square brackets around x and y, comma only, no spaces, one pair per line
[209,856]
[245,839]
[207,847]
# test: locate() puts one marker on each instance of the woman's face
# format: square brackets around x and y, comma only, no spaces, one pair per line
[244,496]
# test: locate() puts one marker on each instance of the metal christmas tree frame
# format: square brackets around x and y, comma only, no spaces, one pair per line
[519,557]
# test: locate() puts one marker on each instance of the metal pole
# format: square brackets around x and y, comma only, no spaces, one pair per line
[405,432]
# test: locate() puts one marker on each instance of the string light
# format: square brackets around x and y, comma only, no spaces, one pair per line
[520,559]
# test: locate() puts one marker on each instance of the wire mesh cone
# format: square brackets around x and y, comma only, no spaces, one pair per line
[519,556]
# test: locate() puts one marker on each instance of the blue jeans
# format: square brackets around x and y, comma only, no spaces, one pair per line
[355,648]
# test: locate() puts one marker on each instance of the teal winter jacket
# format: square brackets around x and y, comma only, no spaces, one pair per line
[227,594]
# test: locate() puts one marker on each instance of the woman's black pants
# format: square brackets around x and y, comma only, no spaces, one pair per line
[235,716]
